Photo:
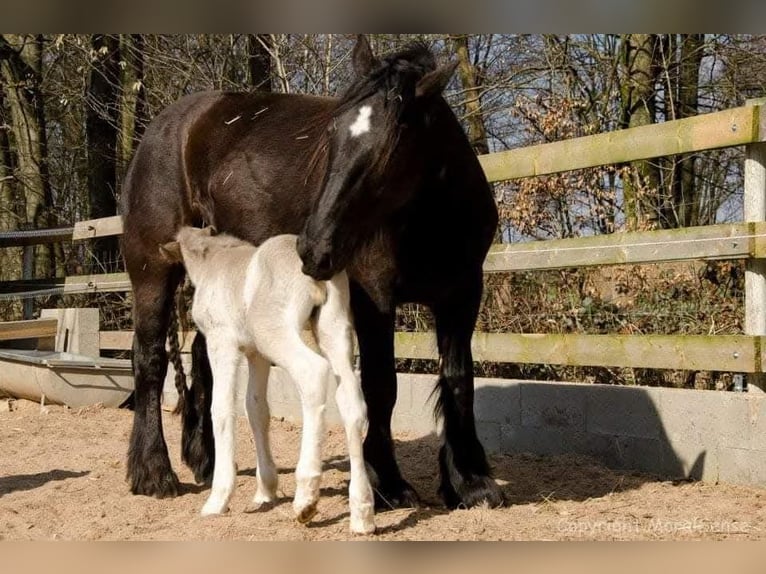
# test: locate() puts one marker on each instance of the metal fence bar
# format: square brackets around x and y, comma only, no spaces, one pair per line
[21,238]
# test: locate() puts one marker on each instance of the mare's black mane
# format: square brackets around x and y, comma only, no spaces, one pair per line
[396,75]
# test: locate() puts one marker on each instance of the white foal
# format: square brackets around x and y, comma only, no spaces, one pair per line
[256,302]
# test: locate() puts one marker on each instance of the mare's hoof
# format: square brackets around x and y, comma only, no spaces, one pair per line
[400,496]
[197,458]
[165,485]
[477,491]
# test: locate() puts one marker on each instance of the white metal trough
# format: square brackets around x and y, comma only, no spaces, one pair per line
[66,367]
[65,378]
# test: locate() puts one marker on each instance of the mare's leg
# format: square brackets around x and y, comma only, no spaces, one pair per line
[375,333]
[464,468]
[257,408]
[334,334]
[197,444]
[148,470]
[224,360]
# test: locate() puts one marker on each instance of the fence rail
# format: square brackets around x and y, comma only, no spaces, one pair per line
[33,329]
[741,353]
[724,241]
[737,126]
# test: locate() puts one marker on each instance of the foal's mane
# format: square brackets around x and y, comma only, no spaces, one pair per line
[224,241]
[395,75]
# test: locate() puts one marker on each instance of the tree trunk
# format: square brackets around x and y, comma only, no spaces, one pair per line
[11,205]
[133,109]
[471,84]
[638,94]
[101,131]
[21,74]
[259,61]
[685,192]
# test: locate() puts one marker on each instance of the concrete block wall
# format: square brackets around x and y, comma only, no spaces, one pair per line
[77,330]
[673,433]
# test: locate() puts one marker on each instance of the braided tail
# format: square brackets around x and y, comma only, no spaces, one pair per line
[174,354]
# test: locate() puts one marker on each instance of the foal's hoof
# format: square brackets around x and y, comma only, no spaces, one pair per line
[363,529]
[260,505]
[214,509]
[306,513]
[363,524]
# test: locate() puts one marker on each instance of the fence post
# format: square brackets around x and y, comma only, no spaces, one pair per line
[28,272]
[755,210]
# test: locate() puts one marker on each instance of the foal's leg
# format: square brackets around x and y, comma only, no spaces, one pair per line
[257,409]
[334,334]
[464,468]
[224,359]
[375,333]
[311,374]
[149,470]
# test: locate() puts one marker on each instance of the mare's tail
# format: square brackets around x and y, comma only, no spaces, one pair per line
[174,350]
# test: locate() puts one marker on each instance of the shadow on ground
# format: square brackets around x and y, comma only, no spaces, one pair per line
[19,482]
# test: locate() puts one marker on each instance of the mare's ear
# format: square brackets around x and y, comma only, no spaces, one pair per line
[171,252]
[362,56]
[433,83]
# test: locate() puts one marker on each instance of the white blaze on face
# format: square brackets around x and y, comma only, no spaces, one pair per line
[362,123]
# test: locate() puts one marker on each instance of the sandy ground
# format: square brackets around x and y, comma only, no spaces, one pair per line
[62,476]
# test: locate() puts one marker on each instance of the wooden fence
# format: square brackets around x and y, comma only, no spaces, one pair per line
[747,240]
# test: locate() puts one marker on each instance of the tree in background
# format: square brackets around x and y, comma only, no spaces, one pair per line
[638,91]
[88,99]
[259,61]
[102,130]
[133,106]
[25,145]
[471,84]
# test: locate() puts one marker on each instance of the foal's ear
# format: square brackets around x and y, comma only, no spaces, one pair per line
[210,230]
[433,83]
[171,252]
[362,56]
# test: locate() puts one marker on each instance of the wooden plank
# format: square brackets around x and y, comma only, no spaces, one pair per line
[738,353]
[102,227]
[123,340]
[724,241]
[107,282]
[727,128]
[34,329]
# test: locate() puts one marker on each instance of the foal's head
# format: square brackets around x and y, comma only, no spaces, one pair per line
[195,248]
[378,140]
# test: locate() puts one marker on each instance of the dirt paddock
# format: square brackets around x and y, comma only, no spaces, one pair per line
[62,476]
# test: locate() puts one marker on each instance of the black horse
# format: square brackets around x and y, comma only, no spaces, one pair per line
[381,182]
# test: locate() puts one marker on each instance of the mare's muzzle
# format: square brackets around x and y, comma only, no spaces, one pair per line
[316,257]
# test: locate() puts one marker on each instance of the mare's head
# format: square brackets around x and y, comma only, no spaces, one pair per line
[377,145]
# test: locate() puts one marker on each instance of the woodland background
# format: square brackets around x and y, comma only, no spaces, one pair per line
[73,108]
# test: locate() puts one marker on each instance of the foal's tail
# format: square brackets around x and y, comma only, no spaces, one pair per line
[174,350]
